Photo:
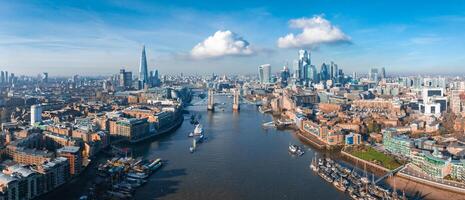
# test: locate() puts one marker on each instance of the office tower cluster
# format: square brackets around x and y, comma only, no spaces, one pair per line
[304,72]
[145,79]
[6,78]
[376,74]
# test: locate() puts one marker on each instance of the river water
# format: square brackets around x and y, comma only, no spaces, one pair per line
[239,160]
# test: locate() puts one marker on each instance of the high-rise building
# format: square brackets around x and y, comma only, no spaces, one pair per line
[143,71]
[324,72]
[313,74]
[383,73]
[36,114]
[45,77]
[12,78]
[74,156]
[304,64]
[125,78]
[154,80]
[373,75]
[264,72]
[2,78]
[334,71]
[6,77]
[296,68]
[285,75]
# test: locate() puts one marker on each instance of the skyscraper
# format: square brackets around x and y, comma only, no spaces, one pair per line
[324,72]
[383,73]
[313,74]
[36,114]
[296,69]
[264,73]
[125,79]
[143,71]
[285,75]
[334,71]
[304,64]
[2,78]
[373,74]
[45,77]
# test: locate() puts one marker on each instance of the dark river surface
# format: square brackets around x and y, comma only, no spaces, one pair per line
[239,160]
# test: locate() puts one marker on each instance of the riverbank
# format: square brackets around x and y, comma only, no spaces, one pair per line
[175,125]
[359,162]
[424,190]
[315,142]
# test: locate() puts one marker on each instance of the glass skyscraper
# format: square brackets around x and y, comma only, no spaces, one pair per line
[143,71]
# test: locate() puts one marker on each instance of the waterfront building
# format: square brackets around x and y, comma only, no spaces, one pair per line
[311,127]
[458,170]
[397,144]
[27,180]
[74,156]
[131,129]
[53,174]
[432,164]
[36,114]
[9,189]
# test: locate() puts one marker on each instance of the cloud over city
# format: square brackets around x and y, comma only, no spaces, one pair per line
[222,43]
[315,31]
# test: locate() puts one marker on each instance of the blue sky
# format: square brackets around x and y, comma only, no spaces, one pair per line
[100,37]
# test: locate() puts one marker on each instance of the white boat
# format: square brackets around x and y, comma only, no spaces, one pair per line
[137,175]
[198,129]
[294,149]
[194,145]
[191,134]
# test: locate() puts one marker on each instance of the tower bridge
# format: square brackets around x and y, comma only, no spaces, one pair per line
[210,100]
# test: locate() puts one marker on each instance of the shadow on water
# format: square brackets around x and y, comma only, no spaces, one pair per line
[161,185]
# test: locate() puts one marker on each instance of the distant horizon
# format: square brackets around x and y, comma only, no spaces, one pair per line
[135,74]
[101,37]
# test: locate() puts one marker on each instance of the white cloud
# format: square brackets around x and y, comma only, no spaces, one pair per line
[315,31]
[222,43]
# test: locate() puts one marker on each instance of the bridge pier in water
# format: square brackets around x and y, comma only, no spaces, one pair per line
[236,104]
[211,103]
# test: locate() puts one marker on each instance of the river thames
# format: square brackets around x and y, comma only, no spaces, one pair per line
[239,160]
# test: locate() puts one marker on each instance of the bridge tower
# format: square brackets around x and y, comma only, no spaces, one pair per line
[236,99]
[210,104]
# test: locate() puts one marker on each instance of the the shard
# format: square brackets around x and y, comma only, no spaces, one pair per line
[143,72]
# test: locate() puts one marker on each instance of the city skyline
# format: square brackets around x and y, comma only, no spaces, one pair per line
[102,37]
